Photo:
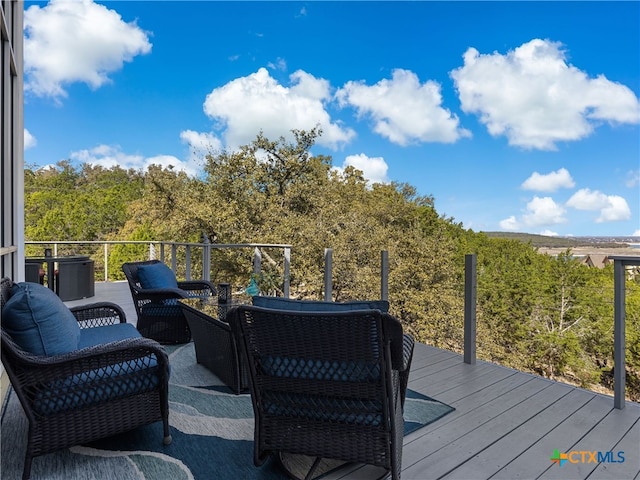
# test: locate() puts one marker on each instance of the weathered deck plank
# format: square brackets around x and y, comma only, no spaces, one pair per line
[506,424]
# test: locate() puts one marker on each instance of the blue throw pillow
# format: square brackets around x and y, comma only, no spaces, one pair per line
[280,303]
[157,275]
[39,322]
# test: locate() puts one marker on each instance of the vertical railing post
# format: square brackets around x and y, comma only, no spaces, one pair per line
[287,272]
[384,275]
[328,274]
[174,256]
[470,290]
[206,258]
[106,262]
[187,261]
[257,261]
[619,348]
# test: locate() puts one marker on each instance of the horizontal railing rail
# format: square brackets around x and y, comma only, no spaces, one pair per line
[167,252]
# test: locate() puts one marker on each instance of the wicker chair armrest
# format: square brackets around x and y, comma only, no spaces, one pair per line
[401,343]
[201,285]
[37,372]
[407,351]
[98,314]
[160,294]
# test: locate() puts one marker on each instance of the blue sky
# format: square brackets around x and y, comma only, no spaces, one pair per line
[514,116]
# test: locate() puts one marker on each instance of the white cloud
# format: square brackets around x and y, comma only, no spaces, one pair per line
[79,41]
[636,233]
[404,110]
[612,208]
[549,233]
[374,169]
[550,182]
[510,224]
[29,140]
[543,211]
[536,99]
[633,178]
[200,144]
[247,105]
[109,156]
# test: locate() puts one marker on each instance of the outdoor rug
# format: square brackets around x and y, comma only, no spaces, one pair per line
[212,431]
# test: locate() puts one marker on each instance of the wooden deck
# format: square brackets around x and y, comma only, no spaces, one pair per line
[506,425]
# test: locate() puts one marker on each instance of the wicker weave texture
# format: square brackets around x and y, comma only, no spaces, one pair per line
[216,348]
[76,397]
[159,315]
[325,384]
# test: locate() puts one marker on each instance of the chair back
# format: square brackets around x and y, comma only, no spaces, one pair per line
[5,294]
[160,316]
[130,270]
[321,382]
[9,347]
[13,357]
[5,290]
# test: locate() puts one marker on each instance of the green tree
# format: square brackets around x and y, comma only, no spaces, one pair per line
[549,315]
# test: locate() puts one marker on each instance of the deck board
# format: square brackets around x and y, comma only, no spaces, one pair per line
[504,450]
[506,424]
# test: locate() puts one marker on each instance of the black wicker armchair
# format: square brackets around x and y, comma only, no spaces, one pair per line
[159,315]
[90,393]
[326,384]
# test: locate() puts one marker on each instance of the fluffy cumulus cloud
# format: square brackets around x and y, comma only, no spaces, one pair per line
[549,182]
[257,102]
[77,41]
[403,110]
[540,211]
[109,156]
[374,169]
[612,208]
[543,211]
[536,99]
[29,140]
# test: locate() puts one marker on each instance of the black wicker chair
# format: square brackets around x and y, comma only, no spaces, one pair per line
[159,315]
[63,396]
[326,384]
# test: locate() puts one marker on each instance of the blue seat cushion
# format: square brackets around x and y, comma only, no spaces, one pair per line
[90,337]
[39,322]
[99,385]
[280,303]
[157,275]
[102,384]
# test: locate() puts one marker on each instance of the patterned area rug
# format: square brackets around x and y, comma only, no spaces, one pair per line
[212,431]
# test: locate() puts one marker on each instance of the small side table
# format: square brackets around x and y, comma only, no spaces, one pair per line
[214,343]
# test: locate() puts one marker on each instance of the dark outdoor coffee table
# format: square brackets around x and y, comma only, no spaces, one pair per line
[214,343]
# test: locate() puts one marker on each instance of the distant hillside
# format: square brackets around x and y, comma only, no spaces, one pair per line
[541,241]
